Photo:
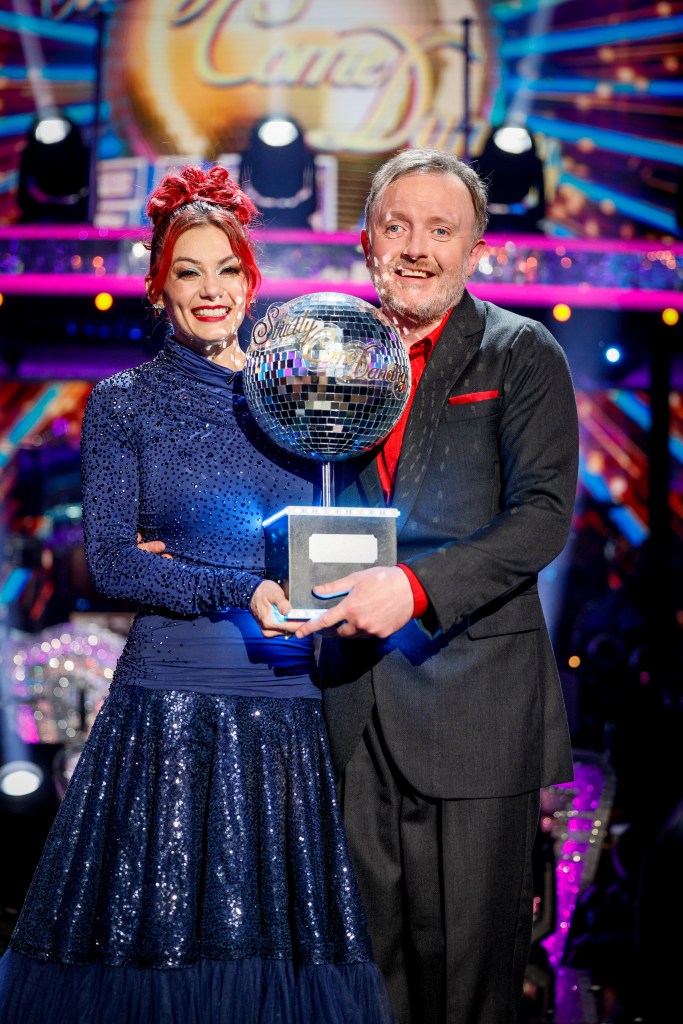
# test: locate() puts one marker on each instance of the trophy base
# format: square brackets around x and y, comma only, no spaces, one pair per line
[307,546]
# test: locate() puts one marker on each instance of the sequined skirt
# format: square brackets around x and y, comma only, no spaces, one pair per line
[197,872]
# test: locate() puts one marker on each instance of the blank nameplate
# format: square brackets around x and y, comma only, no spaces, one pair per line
[343,547]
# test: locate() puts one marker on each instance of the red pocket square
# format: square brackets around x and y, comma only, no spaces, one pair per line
[473,396]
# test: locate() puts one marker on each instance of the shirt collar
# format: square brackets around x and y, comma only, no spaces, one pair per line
[422,349]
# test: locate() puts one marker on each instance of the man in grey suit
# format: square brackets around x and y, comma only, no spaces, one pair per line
[442,697]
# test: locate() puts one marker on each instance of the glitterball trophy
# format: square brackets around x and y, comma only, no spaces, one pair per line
[326,377]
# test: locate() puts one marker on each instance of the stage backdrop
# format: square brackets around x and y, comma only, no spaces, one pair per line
[598,82]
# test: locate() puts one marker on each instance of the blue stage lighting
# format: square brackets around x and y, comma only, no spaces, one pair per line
[612,354]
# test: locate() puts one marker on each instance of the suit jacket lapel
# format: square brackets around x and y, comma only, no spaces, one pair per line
[455,349]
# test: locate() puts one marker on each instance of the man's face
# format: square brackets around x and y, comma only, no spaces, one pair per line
[419,246]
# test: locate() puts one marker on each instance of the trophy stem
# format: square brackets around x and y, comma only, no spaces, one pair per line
[328,484]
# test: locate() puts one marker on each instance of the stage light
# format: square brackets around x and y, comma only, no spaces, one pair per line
[514,172]
[278,131]
[103,301]
[613,354]
[50,130]
[54,173]
[28,804]
[670,316]
[20,778]
[562,312]
[513,139]
[277,171]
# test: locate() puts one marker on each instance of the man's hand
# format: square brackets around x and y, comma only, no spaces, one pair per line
[378,602]
[156,547]
[269,605]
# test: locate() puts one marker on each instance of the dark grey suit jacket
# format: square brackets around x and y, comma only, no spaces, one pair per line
[469,699]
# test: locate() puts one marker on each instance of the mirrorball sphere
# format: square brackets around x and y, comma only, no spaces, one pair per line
[326,376]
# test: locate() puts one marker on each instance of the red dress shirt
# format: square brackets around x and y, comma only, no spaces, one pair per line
[387,460]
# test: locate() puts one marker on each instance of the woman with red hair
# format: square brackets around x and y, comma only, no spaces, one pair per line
[197,871]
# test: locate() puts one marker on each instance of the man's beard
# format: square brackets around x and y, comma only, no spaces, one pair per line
[429,310]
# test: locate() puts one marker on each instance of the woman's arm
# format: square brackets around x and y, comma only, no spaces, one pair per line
[110,522]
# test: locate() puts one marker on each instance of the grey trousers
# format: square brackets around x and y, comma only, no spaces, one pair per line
[447,887]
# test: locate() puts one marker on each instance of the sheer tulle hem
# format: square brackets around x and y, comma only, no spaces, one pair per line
[252,991]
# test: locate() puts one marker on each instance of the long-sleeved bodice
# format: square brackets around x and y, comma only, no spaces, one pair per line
[171,451]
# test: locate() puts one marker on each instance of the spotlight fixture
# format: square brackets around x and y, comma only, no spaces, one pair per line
[20,778]
[514,172]
[28,805]
[278,131]
[54,173]
[51,130]
[278,172]
[512,139]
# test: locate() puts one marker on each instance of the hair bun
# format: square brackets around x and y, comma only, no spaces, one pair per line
[193,184]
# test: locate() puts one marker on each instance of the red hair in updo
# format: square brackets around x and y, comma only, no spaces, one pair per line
[189,198]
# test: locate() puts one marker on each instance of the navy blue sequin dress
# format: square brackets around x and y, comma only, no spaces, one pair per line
[197,871]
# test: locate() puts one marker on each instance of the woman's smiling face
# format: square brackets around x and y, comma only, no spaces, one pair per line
[205,291]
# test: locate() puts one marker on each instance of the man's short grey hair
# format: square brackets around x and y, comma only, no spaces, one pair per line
[430,161]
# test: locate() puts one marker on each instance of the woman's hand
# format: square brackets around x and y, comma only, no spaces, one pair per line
[269,605]
[156,547]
